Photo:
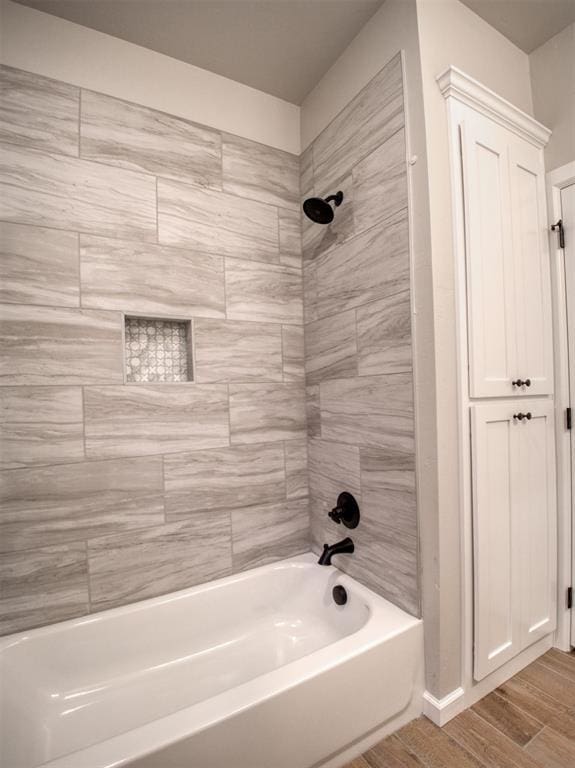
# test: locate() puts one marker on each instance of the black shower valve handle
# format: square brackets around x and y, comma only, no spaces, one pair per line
[346,511]
[336,514]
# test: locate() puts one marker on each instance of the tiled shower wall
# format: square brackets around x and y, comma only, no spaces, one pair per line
[358,339]
[114,492]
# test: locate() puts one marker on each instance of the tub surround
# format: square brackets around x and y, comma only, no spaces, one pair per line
[113,209]
[112,492]
[358,339]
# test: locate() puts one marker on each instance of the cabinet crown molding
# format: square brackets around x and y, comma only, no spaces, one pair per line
[453,83]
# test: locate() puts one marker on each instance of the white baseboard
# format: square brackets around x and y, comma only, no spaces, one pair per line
[440,711]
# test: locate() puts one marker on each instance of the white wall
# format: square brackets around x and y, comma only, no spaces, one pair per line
[50,46]
[553,83]
[451,34]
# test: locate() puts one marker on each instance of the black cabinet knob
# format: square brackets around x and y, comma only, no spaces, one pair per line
[521,383]
[521,416]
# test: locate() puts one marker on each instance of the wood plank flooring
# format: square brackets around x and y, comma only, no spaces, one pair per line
[528,722]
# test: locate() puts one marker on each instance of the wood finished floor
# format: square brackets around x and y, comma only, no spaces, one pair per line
[528,722]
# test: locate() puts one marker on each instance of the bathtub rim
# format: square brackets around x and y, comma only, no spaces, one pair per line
[303,559]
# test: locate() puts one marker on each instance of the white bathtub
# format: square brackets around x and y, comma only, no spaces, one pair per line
[258,670]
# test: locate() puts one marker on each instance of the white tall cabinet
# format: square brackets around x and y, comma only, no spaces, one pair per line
[506,357]
[508,276]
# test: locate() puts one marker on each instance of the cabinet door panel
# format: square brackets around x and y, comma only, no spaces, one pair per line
[496,609]
[490,278]
[536,521]
[531,268]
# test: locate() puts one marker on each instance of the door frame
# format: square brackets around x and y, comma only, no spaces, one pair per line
[556,180]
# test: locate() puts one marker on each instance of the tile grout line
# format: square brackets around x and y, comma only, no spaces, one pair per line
[88,577]
[79,123]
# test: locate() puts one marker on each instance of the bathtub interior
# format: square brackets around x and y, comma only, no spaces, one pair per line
[82,682]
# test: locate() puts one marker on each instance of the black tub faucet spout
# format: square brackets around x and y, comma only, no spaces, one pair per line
[345,546]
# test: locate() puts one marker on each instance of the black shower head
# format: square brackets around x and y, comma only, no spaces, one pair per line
[319,210]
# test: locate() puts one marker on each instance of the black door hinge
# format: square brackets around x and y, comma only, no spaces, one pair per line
[569,597]
[559,226]
[568,418]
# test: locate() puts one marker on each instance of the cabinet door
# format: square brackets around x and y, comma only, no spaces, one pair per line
[536,504]
[514,529]
[490,277]
[531,268]
[497,621]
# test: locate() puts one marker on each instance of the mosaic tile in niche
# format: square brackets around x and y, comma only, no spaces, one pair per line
[157,350]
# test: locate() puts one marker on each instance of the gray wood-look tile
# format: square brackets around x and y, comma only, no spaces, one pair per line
[333,468]
[260,172]
[46,345]
[293,353]
[390,514]
[140,419]
[263,292]
[372,411]
[380,183]
[383,563]
[145,278]
[70,502]
[290,237]
[130,136]
[388,489]
[38,112]
[265,533]
[234,351]
[331,348]
[296,469]
[312,409]
[40,425]
[215,222]
[384,335]
[141,564]
[68,193]
[238,476]
[306,171]
[42,586]
[319,238]
[38,266]
[310,291]
[369,267]
[371,117]
[266,412]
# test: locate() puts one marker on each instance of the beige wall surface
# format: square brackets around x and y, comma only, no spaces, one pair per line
[50,46]
[113,492]
[552,68]
[451,34]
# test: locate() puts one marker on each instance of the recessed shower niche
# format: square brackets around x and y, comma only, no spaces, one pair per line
[158,350]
